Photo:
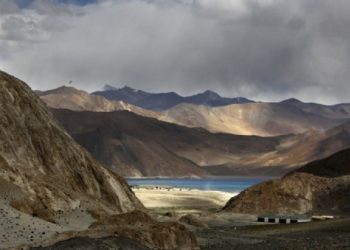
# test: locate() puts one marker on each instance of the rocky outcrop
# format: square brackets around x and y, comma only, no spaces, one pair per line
[54,172]
[145,232]
[192,220]
[319,187]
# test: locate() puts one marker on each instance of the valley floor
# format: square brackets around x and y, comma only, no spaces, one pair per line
[213,229]
[226,231]
[333,234]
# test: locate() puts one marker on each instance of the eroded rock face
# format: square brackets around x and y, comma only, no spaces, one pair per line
[319,187]
[54,172]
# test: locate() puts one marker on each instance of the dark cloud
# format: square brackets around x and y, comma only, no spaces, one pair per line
[262,49]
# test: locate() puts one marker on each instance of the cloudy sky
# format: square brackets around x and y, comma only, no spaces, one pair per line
[260,49]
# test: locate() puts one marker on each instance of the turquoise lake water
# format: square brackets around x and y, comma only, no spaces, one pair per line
[227,184]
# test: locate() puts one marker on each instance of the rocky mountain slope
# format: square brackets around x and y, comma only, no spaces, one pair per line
[50,187]
[138,146]
[35,152]
[73,99]
[322,186]
[263,119]
[162,101]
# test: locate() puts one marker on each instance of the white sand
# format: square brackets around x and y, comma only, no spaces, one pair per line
[153,197]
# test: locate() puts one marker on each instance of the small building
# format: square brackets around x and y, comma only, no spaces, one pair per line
[283,219]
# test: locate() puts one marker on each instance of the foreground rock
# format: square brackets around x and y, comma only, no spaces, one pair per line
[134,230]
[51,188]
[319,187]
[53,172]
[192,220]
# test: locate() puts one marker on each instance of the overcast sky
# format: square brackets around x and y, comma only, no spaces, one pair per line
[260,49]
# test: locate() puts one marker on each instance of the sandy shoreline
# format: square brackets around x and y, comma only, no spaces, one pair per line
[162,197]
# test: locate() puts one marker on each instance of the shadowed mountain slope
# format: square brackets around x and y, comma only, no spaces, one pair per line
[334,166]
[147,147]
[138,146]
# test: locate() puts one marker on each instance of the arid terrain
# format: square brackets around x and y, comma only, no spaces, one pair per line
[54,195]
[53,190]
[133,145]
[234,116]
[217,229]
[174,125]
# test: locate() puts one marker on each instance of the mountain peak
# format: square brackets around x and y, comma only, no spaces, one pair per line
[60,90]
[291,100]
[211,93]
[127,88]
[108,87]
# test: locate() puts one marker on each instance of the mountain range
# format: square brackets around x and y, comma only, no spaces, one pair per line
[133,145]
[262,119]
[200,140]
[73,99]
[163,101]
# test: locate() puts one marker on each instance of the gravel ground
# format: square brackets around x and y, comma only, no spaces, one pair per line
[315,235]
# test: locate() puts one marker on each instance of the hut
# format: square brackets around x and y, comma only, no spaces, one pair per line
[283,219]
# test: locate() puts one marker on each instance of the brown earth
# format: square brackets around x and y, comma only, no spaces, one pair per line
[319,187]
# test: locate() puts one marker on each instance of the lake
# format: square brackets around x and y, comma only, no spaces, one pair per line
[226,184]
